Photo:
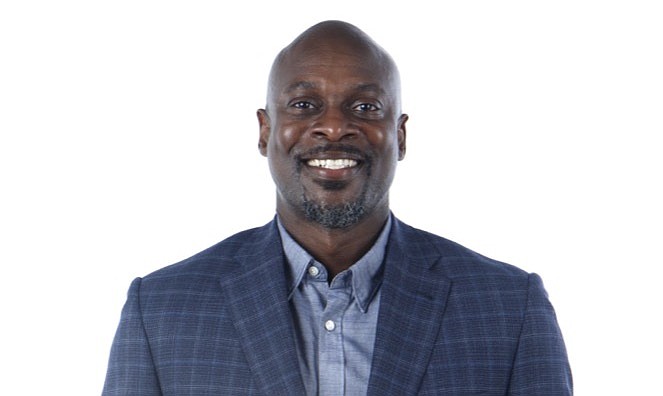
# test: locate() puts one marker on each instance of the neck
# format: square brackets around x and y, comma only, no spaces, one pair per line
[336,249]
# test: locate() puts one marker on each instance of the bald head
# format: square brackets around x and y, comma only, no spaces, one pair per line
[333,130]
[333,42]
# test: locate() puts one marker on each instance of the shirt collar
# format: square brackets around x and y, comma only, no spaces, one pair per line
[366,272]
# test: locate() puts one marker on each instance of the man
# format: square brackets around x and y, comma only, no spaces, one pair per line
[336,296]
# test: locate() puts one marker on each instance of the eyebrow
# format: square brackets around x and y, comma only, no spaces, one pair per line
[369,87]
[310,85]
[299,85]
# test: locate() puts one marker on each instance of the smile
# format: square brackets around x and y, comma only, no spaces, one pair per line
[341,163]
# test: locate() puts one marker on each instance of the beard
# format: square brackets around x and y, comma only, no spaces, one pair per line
[341,215]
[336,216]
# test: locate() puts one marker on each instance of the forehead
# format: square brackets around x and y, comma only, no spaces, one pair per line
[310,66]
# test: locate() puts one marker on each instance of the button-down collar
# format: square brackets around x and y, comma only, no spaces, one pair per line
[366,272]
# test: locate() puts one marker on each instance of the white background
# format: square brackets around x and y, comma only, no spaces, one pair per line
[129,142]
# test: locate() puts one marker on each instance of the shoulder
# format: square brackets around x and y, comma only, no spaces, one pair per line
[220,258]
[476,283]
[454,260]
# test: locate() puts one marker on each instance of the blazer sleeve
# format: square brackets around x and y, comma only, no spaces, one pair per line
[541,365]
[131,369]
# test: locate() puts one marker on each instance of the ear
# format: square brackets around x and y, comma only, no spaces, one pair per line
[401,135]
[263,121]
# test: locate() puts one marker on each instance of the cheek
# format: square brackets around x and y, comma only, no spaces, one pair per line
[289,136]
[284,138]
[384,140]
[377,137]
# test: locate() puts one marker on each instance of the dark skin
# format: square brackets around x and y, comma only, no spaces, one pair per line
[333,133]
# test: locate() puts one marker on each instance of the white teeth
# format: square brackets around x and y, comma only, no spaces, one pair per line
[332,163]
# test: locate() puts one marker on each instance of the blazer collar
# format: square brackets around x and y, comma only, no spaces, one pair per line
[414,295]
[413,299]
[258,302]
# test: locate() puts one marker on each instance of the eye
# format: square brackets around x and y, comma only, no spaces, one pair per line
[303,105]
[365,107]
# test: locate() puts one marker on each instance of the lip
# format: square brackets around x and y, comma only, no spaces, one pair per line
[338,152]
[340,174]
[332,174]
[333,155]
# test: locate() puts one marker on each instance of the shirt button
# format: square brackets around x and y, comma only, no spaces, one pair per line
[330,325]
[313,270]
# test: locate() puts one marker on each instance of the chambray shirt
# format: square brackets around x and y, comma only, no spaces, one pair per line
[335,323]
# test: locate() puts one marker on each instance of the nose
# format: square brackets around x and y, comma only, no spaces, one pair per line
[333,125]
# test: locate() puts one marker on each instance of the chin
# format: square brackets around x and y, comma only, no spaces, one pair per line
[338,216]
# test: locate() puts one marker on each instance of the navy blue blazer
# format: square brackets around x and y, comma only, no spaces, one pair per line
[451,322]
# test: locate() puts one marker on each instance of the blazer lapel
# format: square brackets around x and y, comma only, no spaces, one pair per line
[257,297]
[412,303]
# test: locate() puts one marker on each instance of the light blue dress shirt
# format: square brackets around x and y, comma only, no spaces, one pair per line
[335,323]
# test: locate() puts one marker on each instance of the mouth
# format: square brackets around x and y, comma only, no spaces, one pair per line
[332,163]
[336,164]
[333,167]
[332,174]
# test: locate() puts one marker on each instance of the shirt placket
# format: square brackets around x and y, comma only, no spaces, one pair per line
[331,354]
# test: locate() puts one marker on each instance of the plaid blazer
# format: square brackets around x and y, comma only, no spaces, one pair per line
[451,322]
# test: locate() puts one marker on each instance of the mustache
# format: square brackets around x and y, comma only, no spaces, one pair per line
[340,148]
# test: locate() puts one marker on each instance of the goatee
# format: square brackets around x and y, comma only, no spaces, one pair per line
[334,217]
[342,215]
